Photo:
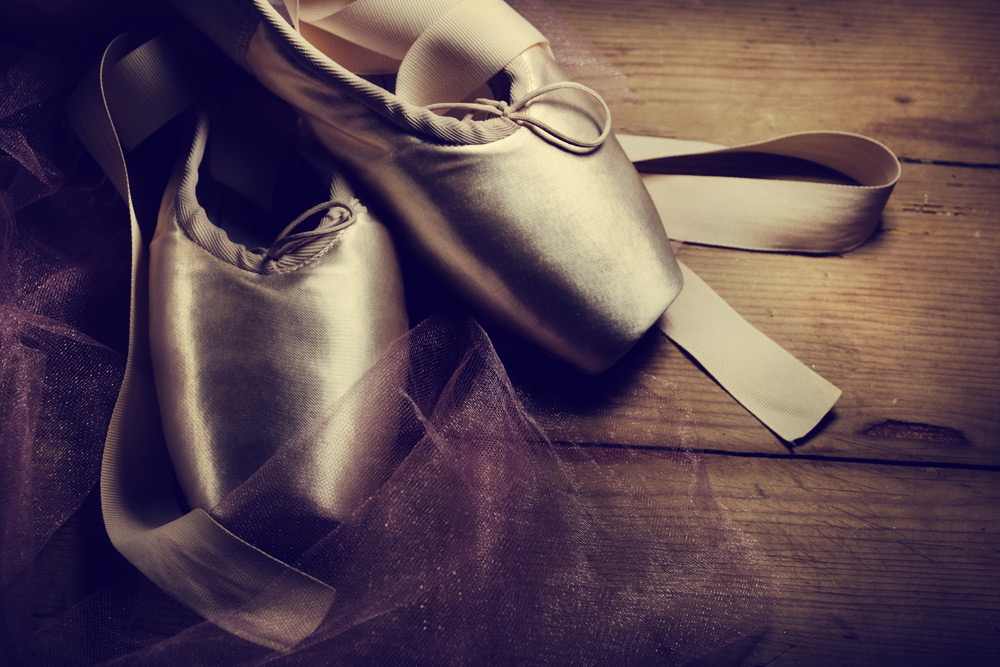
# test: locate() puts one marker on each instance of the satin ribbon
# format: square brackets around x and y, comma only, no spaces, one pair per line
[741,211]
[138,86]
[418,41]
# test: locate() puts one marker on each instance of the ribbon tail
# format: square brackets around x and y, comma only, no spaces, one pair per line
[774,386]
[724,198]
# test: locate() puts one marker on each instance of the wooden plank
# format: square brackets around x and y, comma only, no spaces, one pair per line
[877,564]
[907,326]
[919,76]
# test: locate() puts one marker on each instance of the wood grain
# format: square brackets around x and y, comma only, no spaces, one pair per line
[906,326]
[877,565]
[920,76]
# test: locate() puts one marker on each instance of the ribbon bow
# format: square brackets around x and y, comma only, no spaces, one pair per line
[338,216]
[515,111]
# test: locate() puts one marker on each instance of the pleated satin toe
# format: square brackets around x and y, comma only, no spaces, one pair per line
[251,345]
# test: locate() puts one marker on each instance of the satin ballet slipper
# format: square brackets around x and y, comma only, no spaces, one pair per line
[525,204]
[251,346]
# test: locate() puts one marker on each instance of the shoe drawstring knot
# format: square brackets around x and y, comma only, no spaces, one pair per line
[339,216]
[517,112]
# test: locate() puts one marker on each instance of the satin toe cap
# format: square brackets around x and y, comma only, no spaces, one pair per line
[565,249]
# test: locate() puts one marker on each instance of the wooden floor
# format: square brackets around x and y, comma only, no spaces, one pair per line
[883,527]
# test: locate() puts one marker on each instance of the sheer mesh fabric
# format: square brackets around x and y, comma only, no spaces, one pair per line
[489,543]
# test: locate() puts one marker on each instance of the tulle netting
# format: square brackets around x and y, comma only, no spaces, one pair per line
[501,536]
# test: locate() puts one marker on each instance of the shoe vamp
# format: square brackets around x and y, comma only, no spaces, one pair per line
[245,362]
[564,247]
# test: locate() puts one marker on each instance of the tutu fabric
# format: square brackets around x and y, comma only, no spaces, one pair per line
[489,543]
[63,285]
[500,536]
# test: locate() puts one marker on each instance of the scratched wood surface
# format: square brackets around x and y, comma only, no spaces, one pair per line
[882,527]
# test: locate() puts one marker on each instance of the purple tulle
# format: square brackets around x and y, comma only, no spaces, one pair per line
[489,543]
[509,531]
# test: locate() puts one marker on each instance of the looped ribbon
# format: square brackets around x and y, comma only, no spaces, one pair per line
[515,111]
[439,49]
[746,211]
